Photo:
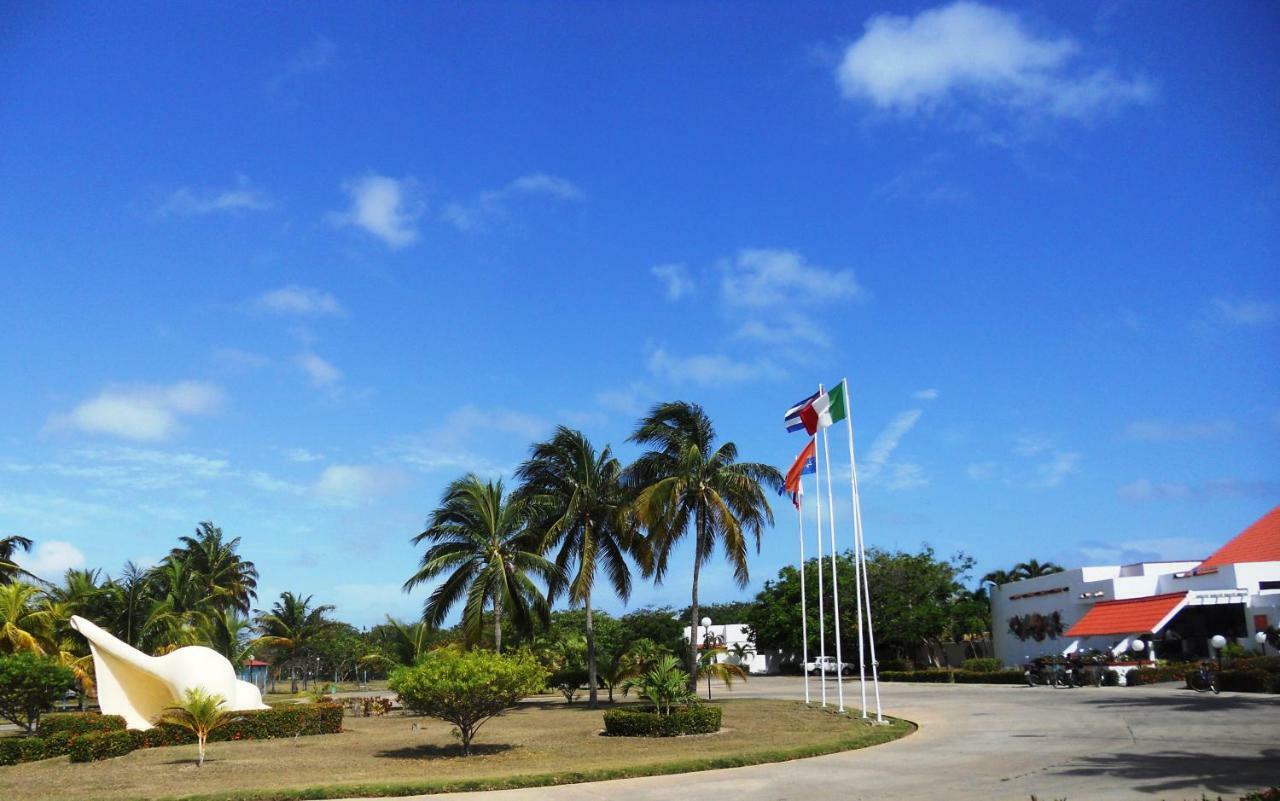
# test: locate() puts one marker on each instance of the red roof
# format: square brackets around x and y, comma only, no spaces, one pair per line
[1132,616]
[1257,543]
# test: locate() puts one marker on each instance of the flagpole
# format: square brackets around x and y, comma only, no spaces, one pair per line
[857,549]
[822,615]
[860,558]
[804,606]
[835,575]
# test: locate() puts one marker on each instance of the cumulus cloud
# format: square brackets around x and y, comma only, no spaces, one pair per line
[322,373]
[766,278]
[299,301]
[910,64]
[49,559]
[493,204]
[925,394]
[707,368]
[1168,431]
[347,483]
[145,413]
[186,201]
[1251,313]
[675,279]
[384,207]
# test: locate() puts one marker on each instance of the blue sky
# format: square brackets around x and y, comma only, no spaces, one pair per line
[293,268]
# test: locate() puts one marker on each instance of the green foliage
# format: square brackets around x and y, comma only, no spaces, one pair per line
[200,713]
[665,685]
[985,664]
[709,667]
[568,682]
[724,612]
[1249,680]
[1155,675]
[23,749]
[955,676]
[79,723]
[637,723]
[103,745]
[658,624]
[467,688]
[29,685]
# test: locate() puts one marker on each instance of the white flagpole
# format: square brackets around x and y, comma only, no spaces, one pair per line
[861,558]
[804,606]
[835,575]
[822,615]
[857,562]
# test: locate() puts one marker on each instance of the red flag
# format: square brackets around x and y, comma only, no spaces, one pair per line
[804,463]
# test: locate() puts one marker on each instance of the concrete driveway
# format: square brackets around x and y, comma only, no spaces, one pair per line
[975,742]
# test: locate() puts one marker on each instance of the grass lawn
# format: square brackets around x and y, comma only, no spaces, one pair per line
[542,742]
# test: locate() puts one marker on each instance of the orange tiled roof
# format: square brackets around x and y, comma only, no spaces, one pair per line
[1257,543]
[1132,616]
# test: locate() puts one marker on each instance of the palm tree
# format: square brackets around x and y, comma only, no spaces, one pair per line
[200,713]
[685,482]
[709,667]
[999,577]
[224,577]
[9,570]
[664,685]
[130,599]
[583,513]
[292,625]
[180,609]
[480,538]
[406,641]
[22,626]
[1031,569]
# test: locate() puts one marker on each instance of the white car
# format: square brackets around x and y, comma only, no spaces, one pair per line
[827,664]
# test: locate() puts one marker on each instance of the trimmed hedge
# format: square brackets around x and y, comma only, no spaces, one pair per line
[637,723]
[945,676]
[1155,675]
[79,723]
[1246,680]
[982,664]
[89,736]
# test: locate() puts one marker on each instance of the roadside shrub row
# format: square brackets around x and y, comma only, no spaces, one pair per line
[637,723]
[1155,675]
[89,736]
[1249,680]
[947,676]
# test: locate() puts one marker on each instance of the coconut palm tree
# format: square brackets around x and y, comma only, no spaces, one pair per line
[130,599]
[686,482]
[292,625]
[709,667]
[200,713]
[583,514]
[999,577]
[22,626]
[1031,569]
[481,542]
[225,578]
[9,570]
[180,608]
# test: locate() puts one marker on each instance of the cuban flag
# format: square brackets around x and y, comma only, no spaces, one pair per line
[792,419]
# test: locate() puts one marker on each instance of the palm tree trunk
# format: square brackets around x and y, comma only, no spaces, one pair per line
[497,625]
[592,700]
[693,610]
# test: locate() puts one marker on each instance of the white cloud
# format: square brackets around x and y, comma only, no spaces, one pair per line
[914,64]
[1031,444]
[1253,313]
[1053,472]
[1165,431]
[761,279]
[925,394]
[147,413]
[316,56]
[302,455]
[904,475]
[707,369]
[1144,490]
[322,373]
[788,330]
[236,359]
[675,280]
[346,483]
[449,446]
[300,301]
[49,559]
[492,204]
[980,471]
[383,207]
[887,442]
[189,202]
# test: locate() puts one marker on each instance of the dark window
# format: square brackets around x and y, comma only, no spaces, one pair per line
[1269,585]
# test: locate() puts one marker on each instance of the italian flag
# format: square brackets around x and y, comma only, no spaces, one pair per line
[828,408]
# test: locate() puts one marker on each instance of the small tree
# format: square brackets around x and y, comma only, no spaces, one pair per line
[200,713]
[30,684]
[709,667]
[467,688]
[664,685]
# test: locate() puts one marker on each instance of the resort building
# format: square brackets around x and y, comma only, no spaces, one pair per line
[1170,609]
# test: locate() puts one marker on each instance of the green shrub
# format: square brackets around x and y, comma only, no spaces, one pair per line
[638,723]
[79,723]
[984,664]
[896,665]
[994,677]
[1249,681]
[467,688]
[1110,678]
[1155,675]
[945,676]
[568,682]
[104,745]
[21,749]
[29,685]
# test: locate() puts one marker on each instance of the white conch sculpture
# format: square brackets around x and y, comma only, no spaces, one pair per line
[139,687]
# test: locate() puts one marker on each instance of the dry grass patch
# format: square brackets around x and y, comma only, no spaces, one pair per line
[539,743]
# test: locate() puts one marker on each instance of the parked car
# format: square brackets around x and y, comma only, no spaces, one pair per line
[827,664]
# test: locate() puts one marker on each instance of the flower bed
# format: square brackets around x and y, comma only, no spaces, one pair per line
[945,676]
[637,723]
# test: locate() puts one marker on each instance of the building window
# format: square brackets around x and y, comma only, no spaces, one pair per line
[1269,585]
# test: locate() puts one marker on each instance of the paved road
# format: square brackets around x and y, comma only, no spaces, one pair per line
[1089,744]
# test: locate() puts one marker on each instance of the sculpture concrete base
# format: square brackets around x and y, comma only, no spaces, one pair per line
[139,687]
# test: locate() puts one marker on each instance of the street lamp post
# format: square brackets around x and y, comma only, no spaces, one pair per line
[1218,642]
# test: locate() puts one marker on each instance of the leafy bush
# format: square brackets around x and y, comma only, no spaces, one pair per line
[568,682]
[1110,678]
[368,706]
[664,685]
[944,676]
[21,749]
[896,665]
[1155,675]
[985,664]
[104,745]
[79,723]
[637,723]
[30,684]
[1249,680]
[790,667]
[467,688]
